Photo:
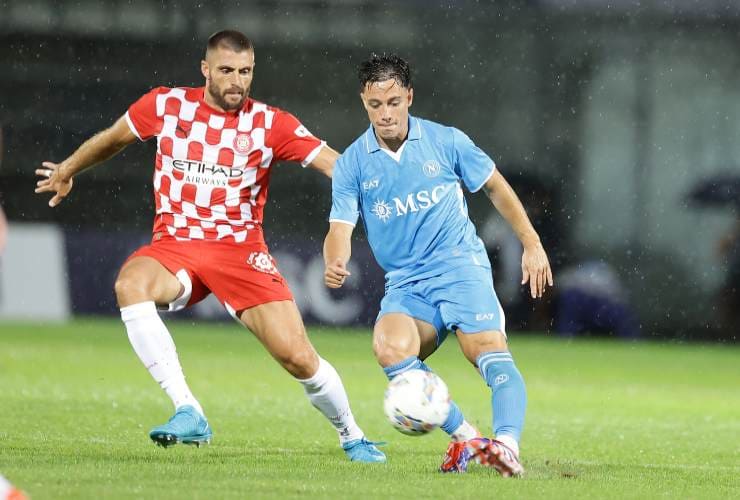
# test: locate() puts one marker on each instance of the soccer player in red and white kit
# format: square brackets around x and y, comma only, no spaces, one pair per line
[215,149]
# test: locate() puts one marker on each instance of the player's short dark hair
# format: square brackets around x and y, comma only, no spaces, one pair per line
[380,68]
[229,39]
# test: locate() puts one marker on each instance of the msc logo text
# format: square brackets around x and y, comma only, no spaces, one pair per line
[413,202]
[420,200]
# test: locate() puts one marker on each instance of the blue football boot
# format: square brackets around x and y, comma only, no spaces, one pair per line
[186,426]
[362,450]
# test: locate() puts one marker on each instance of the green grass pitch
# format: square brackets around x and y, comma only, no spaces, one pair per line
[605,420]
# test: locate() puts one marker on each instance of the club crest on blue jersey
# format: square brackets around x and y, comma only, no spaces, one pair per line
[431,168]
[413,206]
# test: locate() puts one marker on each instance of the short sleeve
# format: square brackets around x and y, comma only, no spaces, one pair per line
[291,141]
[142,116]
[472,165]
[345,192]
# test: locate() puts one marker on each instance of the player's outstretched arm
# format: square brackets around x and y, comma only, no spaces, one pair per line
[535,265]
[324,161]
[57,177]
[337,251]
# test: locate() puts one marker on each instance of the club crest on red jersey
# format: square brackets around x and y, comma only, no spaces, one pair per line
[243,143]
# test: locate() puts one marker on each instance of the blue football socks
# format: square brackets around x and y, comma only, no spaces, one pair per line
[455,418]
[509,395]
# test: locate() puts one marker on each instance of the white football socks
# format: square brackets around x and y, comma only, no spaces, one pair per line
[327,394]
[465,432]
[510,442]
[153,344]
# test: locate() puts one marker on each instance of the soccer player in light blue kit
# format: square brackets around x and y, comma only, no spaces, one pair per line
[404,176]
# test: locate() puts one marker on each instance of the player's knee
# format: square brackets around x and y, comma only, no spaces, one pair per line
[130,289]
[301,363]
[473,345]
[389,352]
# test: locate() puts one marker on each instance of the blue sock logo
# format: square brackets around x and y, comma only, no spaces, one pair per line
[509,395]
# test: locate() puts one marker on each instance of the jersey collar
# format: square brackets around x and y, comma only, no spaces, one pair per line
[371,142]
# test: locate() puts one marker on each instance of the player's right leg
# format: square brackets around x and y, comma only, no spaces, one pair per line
[401,341]
[143,284]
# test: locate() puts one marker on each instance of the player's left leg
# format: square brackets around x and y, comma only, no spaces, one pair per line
[478,320]
[279,327]
[246,280]
[488,351]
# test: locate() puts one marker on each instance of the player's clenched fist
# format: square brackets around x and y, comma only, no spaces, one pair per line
[53,181]
[335,274]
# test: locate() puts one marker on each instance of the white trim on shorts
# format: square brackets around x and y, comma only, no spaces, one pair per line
[181,302]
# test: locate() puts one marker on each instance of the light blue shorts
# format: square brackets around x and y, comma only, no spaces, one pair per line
[462,299]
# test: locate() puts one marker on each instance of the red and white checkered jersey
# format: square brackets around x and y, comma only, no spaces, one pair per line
[212,169]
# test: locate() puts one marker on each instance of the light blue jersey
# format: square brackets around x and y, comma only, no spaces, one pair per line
[412,202]
[437,270]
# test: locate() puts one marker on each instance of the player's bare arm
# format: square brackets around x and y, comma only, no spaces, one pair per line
[535,265]
[324,161]
[337,251]
[57,177]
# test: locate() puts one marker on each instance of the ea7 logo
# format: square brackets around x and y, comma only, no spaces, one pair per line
[368,185]
[483,316]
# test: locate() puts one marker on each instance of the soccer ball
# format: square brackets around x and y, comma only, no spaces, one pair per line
[416,402]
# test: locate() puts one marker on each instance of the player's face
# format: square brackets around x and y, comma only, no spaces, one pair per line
[387,104]
[228,77]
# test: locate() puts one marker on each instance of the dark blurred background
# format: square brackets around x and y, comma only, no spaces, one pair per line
[607,117]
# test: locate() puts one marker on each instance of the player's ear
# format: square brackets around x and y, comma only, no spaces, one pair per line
[204,68]
[411,96]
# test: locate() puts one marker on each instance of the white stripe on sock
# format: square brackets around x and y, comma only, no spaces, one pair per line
[484,366]
[416,365]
